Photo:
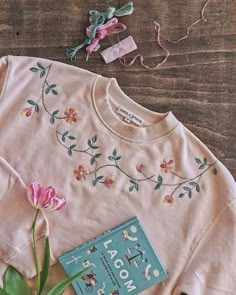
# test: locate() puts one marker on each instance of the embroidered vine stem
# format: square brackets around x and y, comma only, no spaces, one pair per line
[166,166]
[42,95]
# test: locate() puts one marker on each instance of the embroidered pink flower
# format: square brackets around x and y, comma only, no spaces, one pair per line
[108,181]
[27,112]
[140,167]
[167,166]
[44,198]
[169,200]
[71,115]
[81,173]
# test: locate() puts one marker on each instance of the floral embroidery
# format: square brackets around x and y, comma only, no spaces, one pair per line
[71,115]
[108,182]
[181,185]
[81,173]
[167,166]
[27,112]
[140,167]
[170,200]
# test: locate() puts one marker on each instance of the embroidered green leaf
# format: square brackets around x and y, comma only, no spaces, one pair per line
[132,181]
[193,183]
[160,179]
[186,188]
[215,171]
[94,182]
[202,166]
[52,120]
[118,158]
[54,92]
[34,70]
[97,156]
[36,107]
[43,72]
[99,178]
[53,86]
[40,66]
[47,90]
[181,195]
[205,160]
[131,188]
[55,112]
[92,160]
[71,137]
[71,149]
[30,101]
[198,161]
[111,158]
[136,186]
[63,138]
[157,186]
[94,138]
[198,188]
[90,143]
[114,153]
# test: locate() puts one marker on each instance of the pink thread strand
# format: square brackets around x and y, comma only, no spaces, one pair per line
[158,29]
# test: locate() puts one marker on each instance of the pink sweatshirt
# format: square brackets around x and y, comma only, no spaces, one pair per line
[113,159]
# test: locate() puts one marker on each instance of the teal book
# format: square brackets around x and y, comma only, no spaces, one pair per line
[119,262]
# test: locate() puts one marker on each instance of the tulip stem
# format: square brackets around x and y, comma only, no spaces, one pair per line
[36,252]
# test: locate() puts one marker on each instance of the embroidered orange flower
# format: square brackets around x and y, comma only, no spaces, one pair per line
[71,115]
[140,167]
[81,173]
[108,181]
[169,200]
[167,166]
[27,112]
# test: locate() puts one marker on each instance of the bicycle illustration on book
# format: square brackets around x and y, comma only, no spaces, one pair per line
[90,281]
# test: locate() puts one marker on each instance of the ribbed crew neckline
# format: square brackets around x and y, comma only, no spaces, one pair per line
[107,97]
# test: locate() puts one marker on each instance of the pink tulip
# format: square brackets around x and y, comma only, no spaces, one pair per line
[44,198]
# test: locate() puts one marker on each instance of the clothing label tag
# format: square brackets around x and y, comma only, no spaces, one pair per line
[130,117]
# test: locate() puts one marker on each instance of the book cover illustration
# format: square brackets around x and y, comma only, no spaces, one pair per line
[121,261]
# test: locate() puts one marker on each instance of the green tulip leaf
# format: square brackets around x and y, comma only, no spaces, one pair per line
[59,288]
[2,292]
[46,266]
[13,283]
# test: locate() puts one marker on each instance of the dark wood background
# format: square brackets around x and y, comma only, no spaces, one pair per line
[198,81]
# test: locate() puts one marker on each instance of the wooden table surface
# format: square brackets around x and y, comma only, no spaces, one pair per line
[197,83]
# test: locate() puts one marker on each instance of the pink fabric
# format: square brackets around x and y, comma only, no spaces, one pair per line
[111,166]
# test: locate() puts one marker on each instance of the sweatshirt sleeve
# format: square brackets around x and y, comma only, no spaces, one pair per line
[17,216]
[211,269]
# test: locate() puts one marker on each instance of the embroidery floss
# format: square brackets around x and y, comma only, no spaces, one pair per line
[110,28]
[97,19]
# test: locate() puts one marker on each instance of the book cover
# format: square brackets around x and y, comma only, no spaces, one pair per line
[121,261]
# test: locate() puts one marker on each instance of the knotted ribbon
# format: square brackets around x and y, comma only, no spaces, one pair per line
[97,19]
[110,28]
